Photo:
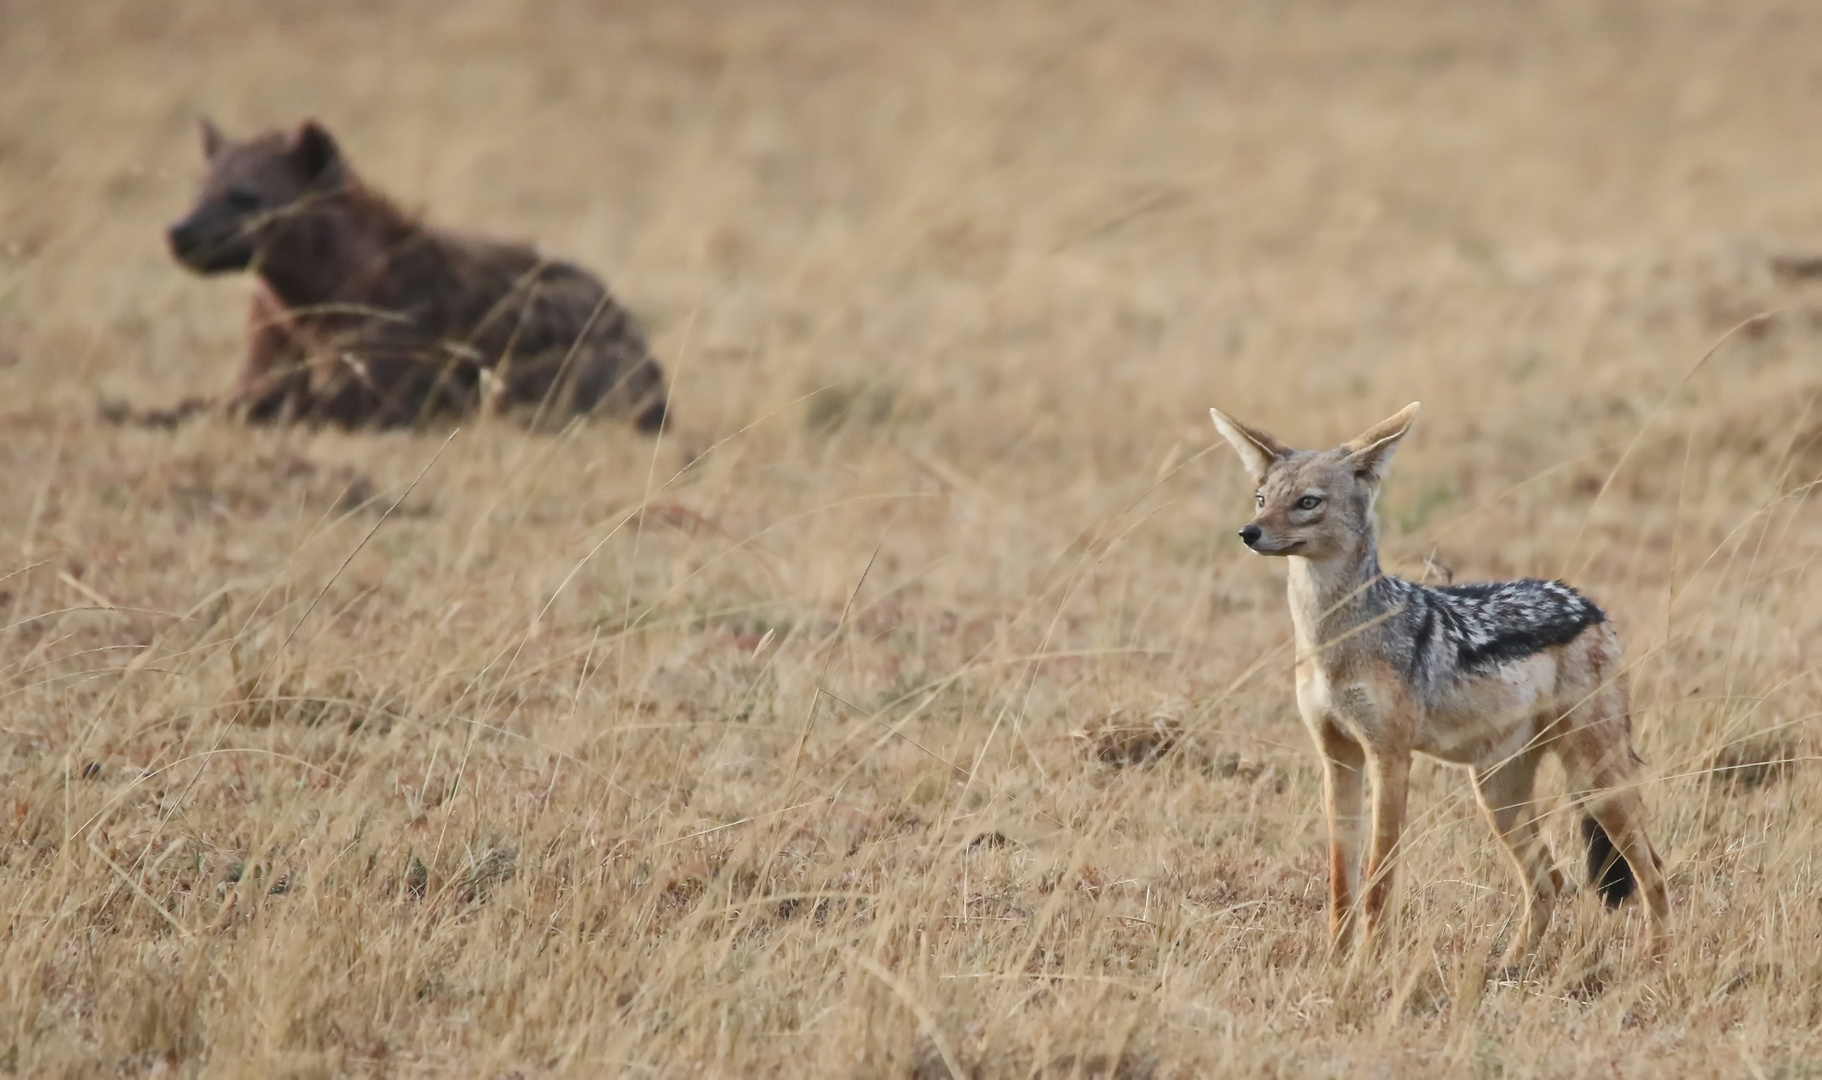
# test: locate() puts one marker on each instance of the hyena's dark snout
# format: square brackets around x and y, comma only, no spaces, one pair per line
[185,239]
[208,244]
[1250,535]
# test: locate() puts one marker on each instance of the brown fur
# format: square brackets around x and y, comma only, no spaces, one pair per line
[366,316]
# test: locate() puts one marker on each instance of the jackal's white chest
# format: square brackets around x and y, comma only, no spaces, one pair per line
[1359,707]
[1315,696]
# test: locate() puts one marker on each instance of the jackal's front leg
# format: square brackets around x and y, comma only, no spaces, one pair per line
[1343,789]
[1391,789]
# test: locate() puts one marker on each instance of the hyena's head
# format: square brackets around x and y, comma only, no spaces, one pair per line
[255,189]
[1314,503]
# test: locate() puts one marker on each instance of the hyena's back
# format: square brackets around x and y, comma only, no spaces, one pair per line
[549,329]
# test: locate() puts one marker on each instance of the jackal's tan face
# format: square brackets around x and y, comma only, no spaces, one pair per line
[1316,504]
[252,190]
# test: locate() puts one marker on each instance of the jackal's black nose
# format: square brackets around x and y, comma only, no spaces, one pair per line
[1250,535]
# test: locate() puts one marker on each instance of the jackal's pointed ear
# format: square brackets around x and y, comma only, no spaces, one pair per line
[1257,449]
[317,154]
[1370,453]
[212,138]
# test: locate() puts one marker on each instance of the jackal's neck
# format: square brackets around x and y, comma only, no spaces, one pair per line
[1334,595]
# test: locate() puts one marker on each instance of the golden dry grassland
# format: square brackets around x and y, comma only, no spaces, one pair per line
[932,721]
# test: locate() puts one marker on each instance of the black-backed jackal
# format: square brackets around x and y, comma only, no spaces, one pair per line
[1491,676]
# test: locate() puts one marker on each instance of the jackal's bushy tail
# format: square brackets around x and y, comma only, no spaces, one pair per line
[1608,870]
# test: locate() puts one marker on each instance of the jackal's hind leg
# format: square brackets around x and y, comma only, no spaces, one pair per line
[1505,792]
[1621,814]
[1604,773]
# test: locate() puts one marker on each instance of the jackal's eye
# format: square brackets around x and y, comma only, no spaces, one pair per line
[1259,500]
[241,200]
[1309,502]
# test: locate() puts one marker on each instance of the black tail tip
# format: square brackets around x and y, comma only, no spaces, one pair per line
[1608,870]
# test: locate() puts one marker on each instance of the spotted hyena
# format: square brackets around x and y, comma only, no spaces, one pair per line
[364,315]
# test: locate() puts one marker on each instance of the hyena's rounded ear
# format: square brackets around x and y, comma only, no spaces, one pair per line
[1370,453]
[1257,449]
[212,138]
[317,154]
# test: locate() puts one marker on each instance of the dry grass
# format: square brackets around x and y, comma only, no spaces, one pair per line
[933,719]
